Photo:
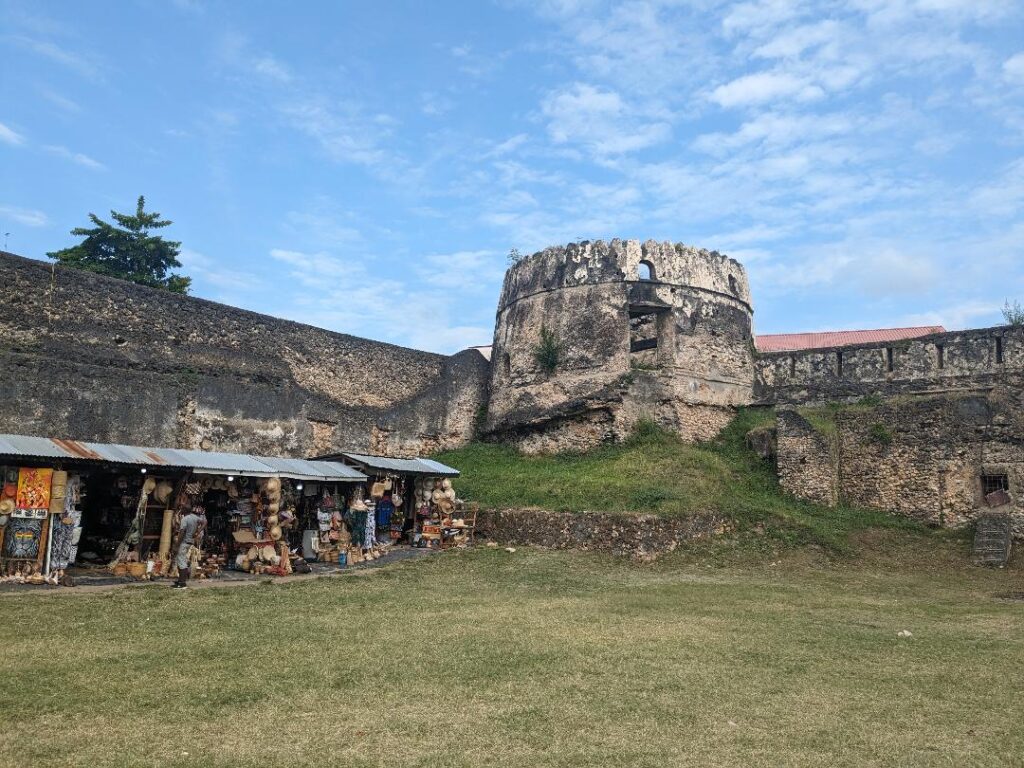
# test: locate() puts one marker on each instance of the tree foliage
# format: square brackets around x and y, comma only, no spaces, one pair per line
[1013,314]
[127,250]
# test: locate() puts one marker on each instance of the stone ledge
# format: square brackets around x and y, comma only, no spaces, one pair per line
[643,537]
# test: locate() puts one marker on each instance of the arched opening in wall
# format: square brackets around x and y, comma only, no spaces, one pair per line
[733,286]
[506,364]
[645,270]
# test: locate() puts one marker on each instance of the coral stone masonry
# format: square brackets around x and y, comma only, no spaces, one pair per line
[590,338]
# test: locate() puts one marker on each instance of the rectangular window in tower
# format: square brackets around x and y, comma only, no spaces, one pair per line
[792,366]
[889,360]
[999,350]
[940,356]
[839,363]
[643,331]
[993,483]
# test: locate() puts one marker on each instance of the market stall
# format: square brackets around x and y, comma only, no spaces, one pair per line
[118,507]
[408,501]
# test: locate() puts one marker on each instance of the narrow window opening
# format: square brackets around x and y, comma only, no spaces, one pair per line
[733,286]
[506,364]
[889,361]
[645,270]
[792,366]
[839,363]
[999,350]
[940,355]
[643,332]
[993,483]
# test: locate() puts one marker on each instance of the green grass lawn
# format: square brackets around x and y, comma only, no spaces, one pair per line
[655,472]
[484,658]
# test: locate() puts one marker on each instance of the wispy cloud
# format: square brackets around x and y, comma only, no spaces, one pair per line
[10,136]
[600,120]
[28,217]
[84,64]
[75,157]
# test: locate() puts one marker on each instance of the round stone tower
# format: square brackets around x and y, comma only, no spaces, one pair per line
[593,337]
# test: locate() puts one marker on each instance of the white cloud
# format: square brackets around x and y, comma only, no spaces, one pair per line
[1013,68]
[343,294]
[75,157]
[29,217]
[10,136]
[795,41]
[269,67]
[600,120]
[762,87]
[81,63]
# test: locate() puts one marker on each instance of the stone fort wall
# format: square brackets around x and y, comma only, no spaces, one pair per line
[918,427]
[675,347]
[87,357]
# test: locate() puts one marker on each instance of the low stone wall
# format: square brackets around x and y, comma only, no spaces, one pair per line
[923,457]
[640,536]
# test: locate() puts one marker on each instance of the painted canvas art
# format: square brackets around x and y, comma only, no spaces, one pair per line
[34,488]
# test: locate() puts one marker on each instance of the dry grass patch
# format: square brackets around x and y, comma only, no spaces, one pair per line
[559,659]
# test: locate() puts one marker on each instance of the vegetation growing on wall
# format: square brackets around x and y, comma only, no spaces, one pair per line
[1013,314]
[547,352]
[880,434]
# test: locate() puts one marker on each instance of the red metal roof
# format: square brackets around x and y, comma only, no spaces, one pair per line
[791,342]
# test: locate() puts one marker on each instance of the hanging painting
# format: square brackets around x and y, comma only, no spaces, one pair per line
[23,539]
[34,488]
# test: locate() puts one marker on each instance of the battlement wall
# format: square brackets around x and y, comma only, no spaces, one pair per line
[976,359]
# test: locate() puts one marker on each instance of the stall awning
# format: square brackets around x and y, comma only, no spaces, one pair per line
[201,462]
[369,463]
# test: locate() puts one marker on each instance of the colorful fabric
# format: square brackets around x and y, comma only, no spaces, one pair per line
[34,488]
[385,509]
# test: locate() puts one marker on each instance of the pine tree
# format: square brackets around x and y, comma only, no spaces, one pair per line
[127,250]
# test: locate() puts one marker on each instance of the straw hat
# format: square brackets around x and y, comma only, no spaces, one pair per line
[275,532]
[148,485]
[437,496]
[450,494]
[358,505]
[232,491]
[7,506]
[272,520]
[267,552]
[273,485]
[273,508]
[446,484]
[163,491]
[253,553]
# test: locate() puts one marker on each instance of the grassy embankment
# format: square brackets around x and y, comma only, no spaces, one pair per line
[656,472]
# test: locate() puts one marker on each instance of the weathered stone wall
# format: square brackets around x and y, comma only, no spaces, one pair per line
[640,536]
[944,362]
[676,348]
[921,456]
[87,357]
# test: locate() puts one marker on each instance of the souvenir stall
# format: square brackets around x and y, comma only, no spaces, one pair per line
[404,501]
[117,508]
[39,523]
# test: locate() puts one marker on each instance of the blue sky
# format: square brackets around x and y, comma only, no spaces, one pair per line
[366,166]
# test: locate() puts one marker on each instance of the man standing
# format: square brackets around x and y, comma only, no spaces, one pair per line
[190,533]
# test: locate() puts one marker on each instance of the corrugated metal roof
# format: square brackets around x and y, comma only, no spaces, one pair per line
[792,342]
[402,466]
[307,469]
[202,462]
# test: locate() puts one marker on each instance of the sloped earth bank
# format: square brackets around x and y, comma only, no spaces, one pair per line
[643,537]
